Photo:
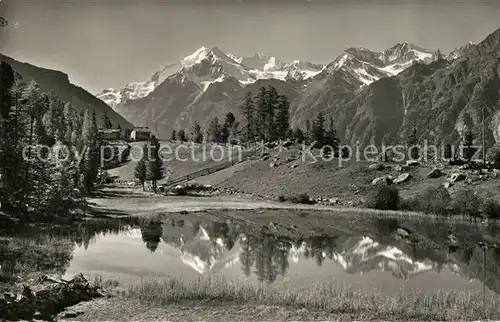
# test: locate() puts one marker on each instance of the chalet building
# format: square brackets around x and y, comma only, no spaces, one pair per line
[140,134]
[110,134]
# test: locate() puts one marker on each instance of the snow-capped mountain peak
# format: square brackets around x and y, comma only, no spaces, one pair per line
[204,53]
[360,66]
[208,65]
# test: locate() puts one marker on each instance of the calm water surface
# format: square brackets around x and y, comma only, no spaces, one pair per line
[385,258]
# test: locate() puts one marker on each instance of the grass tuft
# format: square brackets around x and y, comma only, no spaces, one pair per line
[328,297]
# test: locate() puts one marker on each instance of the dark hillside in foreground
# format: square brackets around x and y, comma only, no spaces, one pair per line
[59,82]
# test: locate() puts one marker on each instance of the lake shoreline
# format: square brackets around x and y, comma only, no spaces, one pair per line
[172,299]
[240,202]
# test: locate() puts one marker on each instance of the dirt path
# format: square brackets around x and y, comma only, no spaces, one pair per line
[128,201]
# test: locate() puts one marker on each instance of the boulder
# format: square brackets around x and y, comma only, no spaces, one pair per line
[273,165]
[455,177]
[47,298]
[447,185]
[286,144]
[376,167]
[293,166]
[334,200]
[435,173]
[400,168]
[382,180]
[264,156]
[402,178]
[412,163]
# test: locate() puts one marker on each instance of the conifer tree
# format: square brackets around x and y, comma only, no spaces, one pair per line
[282,117]
[318,131]
[140,171]
[181,135]
[106,121]
[214,131]
[6,122]
[270,114]
[331,136]
[261,114]
[154,164]
[69,115]
[412,141]
[173,137]
[90,164]
[298,135]
[468,150]
[248,109]
[227,127]
[197,133]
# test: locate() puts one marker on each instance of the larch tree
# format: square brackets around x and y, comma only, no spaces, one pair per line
[248,109]
[154,164]
[197,133]
[140,170]
[283,117]
[90,164]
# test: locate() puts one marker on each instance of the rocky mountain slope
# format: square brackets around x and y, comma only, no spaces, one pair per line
[352,71]
[60,84]
[442,100]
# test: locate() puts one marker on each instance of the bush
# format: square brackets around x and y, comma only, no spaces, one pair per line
[281,199]
[384,198]
[466,202]
[496,160]
[433,200]
[301,199]
[491,209]
[181,191]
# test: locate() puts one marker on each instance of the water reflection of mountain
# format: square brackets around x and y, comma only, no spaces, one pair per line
[213,246]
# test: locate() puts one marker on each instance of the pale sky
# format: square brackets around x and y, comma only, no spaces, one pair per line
[109,43]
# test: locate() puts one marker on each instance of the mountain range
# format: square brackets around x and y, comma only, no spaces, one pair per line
[210,83]
[378,96]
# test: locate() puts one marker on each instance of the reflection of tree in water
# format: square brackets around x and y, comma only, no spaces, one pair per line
[50,251]
[222,230]
[270,254]
[151,233]
[268,257]
[318,247]
[431,241]
[247,256]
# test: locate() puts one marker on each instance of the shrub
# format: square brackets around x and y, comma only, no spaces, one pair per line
[384,198]
[491,209]
[496,160]
[434,200]
[302,199]
[466,202]
[281,199]
[181,191]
